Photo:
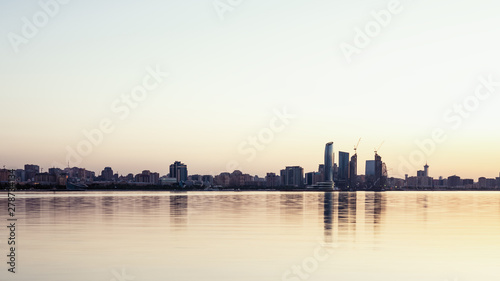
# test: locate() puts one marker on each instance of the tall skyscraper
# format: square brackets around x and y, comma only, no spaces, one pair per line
[343,170]
[426,170]
[178,171]
[379,179]
[353,172]
[329,162]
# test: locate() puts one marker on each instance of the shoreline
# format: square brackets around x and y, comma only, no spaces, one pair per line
[239,190]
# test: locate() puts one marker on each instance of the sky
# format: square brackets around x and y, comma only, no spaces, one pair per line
[250,85]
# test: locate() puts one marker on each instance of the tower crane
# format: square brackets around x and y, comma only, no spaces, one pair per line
[376,149]
[356,146]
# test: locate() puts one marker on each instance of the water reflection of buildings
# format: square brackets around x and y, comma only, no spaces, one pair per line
[178,211]
[328,216]
[292,207]
[351,217]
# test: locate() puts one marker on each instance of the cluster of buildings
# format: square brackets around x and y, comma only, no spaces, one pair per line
[329,176]
[424,181]
[33,175]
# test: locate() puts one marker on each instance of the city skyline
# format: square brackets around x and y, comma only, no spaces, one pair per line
[369,168]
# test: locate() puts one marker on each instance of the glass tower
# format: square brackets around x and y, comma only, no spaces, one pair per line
[329,162]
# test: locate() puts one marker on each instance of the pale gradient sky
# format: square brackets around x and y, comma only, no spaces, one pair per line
[227,77]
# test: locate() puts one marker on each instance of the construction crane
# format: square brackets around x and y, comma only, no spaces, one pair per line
[356,146]
[376,149]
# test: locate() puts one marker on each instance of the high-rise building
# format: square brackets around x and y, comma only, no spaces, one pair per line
[343,170]
[179,171]
[222,179]
[353,172]
[454,181]
[30,171]
[379,176]
[329,162]
[327,169]
[55,171]
[309,178]
[147,177]
[426,170]
[370,168]
[20,175]
[272,180]
[107,174]
[154,178]
[292,176]
[321,171]
[4,175]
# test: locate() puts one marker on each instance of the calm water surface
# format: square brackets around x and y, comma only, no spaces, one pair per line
[122,236]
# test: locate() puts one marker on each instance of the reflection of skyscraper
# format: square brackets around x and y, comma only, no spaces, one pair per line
[343,215]
[328,219]
[343,173]
[178,210]
[346,214]
[329,162]
[291,208]
[374,214]
[378,208]
[352,203]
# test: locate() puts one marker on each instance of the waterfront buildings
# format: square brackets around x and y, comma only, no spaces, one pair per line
[329,162]
[370,168]
[179,171]
[343,171]
[147,177]
[272,180]
[292,176]
[107,174]
[353,172]
[31,171]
